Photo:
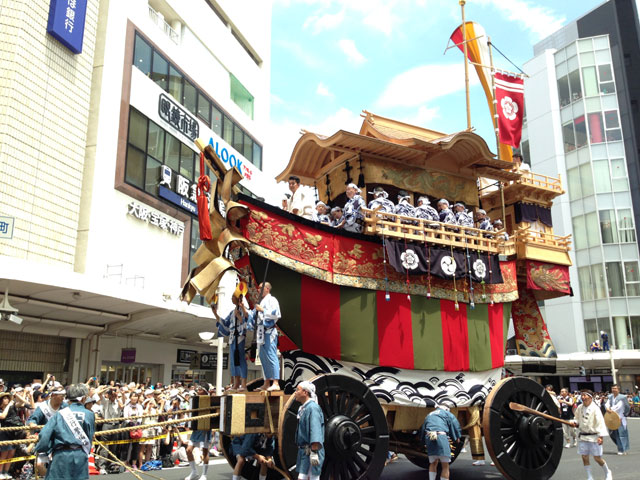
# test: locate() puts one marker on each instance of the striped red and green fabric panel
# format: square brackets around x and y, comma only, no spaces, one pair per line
[359,325]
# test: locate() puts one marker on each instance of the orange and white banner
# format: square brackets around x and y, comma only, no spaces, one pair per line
[478,53]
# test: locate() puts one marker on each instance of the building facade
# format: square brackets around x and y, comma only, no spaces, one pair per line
[101,170]
[582,122]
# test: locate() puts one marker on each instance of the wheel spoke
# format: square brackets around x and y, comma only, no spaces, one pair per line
[363,419]
[365,430]
[364,452]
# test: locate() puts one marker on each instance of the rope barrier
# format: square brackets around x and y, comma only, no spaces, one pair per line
[118,419]
[120,430]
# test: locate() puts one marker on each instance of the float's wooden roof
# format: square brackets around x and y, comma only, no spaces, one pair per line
[380,138]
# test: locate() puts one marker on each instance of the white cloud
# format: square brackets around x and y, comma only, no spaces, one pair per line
[539,20]
[349,48]
[282,138]
[305,57]
[422,118]
[419,85]
[327,21]
[323,90]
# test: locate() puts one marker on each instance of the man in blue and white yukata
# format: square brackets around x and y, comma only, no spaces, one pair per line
[310,433]
[444,212]
[234,326]
[320,215]
[67,436]
[440,426]
[484,223]
[462,215]
[425,211]
[619,404]
[353,216]
[267,314]
[403,207]
[380,199]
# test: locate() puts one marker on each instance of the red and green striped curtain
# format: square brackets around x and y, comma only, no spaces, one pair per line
[359,325]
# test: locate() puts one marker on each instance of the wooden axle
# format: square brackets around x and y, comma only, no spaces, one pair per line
[521,408]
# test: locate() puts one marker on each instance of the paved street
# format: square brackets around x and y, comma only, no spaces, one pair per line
[623,467]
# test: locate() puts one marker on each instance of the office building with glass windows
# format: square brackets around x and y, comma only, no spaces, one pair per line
[99,212]
[582,121]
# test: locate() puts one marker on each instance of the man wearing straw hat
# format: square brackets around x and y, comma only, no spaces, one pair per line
[42,414]
[310,433]
[618,404]
[68,436]
[591,430]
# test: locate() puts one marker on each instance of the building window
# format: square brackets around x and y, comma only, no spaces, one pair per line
[606,79]
[586,285]
[601,177]
[175,84]
[142,55]
[579,232]
[615,279]
[568,137]
[574,85]
[149,148]
[608,227]
[526,153]
[626,228]
[590,81]
[160,71]
[153,64]
[599,284]
[591,332]
[241,96]
[632,279]
[619,175]
[596,128]
[564,94]
[581,131]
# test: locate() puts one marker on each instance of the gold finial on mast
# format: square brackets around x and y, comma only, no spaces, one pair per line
[466,64]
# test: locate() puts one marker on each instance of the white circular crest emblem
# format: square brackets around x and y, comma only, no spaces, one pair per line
[479,268]
[409,260]
[509,108]
[448,265]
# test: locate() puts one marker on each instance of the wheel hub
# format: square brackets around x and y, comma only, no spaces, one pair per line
[532,429]
[343,434]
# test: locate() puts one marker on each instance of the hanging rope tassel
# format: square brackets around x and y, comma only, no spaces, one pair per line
[204,185]
[387,297]
[407,270]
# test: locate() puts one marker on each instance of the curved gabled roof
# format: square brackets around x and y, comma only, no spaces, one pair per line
[315,155]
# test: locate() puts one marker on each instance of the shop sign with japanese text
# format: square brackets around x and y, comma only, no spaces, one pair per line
[177,117]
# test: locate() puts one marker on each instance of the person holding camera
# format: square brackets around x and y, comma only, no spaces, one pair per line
[111,403]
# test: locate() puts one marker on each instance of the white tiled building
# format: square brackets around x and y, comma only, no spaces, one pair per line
[98,165]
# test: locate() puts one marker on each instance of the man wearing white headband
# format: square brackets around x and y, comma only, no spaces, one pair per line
[41,415]
[425,211]
[380,200]
[591,430]
[440,426]
[68,436]
[310,433]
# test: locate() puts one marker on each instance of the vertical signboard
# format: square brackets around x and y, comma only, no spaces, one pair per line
[66,22]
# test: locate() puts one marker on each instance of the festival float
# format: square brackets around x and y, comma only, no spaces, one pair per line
[409,313]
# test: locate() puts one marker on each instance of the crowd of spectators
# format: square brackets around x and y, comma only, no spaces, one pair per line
[115,401]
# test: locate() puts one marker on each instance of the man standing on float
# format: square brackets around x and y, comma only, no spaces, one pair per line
[268,313]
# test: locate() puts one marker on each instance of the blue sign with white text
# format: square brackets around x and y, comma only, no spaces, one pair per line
[66,22]
[176,199]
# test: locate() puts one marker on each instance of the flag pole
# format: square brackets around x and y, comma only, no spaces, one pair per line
[466,64]
[495,125]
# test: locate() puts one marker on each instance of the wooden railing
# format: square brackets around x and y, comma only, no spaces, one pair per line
[540,181]
[400,227]
[548,240]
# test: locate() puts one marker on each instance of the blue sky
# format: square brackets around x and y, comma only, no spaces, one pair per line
[331,59]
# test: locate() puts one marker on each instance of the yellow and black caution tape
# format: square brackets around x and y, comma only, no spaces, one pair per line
[17,459]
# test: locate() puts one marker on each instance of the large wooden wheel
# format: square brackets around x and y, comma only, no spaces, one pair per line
[356,438]
[523,446]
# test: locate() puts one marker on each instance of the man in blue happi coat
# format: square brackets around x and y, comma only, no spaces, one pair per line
[67,436]
[41,415]
[310,433]
[440,426]
[234,326]
[265,316]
